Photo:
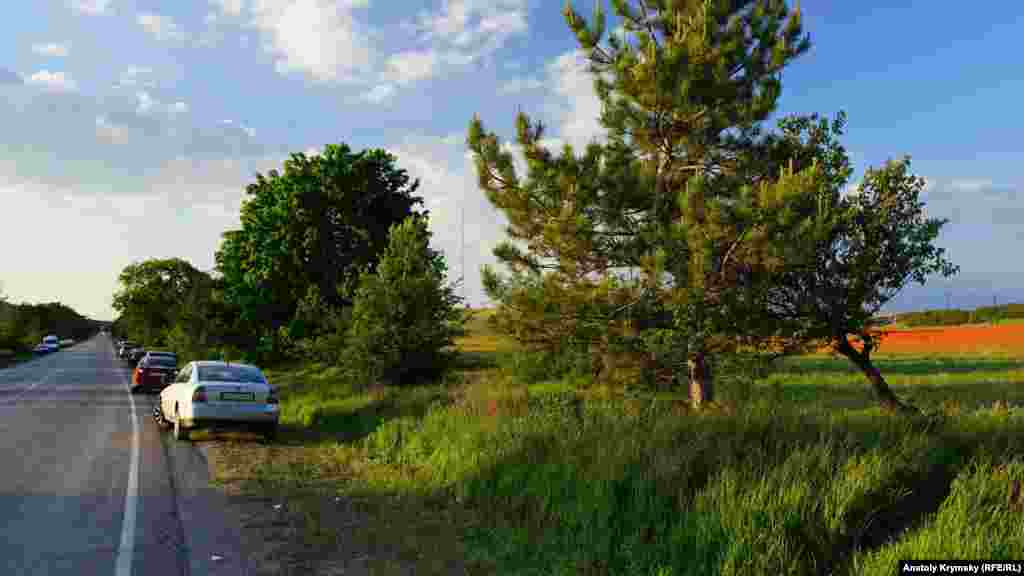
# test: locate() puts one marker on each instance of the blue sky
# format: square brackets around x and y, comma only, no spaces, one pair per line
[132,127]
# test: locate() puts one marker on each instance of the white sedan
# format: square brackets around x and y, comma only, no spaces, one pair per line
[207,394]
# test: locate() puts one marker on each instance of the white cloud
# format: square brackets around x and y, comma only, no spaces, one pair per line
[472,28]
[406,67]
[145,102]
[179,108]
[53,81]
[159,27]
[51,49]
[519,85]
[90,6]
[449,188]
[229,7]
[319,38]
[110,133]
[379,93]
[576,107]
[136,76]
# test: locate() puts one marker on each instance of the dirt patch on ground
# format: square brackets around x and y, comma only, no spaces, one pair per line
[315,529]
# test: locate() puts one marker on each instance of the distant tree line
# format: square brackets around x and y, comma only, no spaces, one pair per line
[983,315]
[331,263]
[23,326]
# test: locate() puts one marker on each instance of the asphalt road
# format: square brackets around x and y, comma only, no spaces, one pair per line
[89,484]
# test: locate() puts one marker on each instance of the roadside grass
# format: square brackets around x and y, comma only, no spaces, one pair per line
[801,473]
[10,358]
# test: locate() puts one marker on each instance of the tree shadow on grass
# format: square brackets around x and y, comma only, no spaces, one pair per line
[348,424]
[928,396]
[894,365]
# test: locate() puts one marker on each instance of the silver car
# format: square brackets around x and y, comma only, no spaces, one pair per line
[208,394]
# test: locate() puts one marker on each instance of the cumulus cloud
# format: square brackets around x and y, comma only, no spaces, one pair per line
[159,26]
[519,85]
[51,49]
[319,38]
[145,102]
[574,104]
[134,76]
[406,67]
[380,93]
[90,6]
[229,7]
[466,23]
[449,188]
[53,81]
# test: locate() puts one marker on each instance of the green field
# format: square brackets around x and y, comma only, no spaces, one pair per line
[797,474]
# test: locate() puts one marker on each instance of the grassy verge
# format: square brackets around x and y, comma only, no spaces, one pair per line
[484,474]
[9,358]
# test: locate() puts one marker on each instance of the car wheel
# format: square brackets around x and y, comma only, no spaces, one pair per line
[158,415]
[270,432]
[180,433]
[135,389]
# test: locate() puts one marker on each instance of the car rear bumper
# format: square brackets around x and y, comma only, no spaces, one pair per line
[233,415]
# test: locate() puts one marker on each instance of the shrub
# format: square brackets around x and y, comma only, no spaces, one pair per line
[404,315]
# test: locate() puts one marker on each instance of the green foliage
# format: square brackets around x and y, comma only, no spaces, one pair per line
[154,295]
[880,240]
[316,225]
[23,326]
[170,303]
[404,315]
[684,192]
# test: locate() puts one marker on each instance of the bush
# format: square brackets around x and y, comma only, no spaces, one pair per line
[404,316]
[530,367]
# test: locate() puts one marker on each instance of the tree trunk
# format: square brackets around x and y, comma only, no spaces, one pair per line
[699,374]
[883,393]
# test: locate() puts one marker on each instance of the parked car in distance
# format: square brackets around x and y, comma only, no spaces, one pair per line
[212,394]
[136,354]
[67,342]
[154,370]
[52,342]
[41,349]
[125,348]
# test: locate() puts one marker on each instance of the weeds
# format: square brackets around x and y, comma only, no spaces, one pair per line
[802,474]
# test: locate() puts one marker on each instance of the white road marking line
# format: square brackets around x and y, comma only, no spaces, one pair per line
[127,548]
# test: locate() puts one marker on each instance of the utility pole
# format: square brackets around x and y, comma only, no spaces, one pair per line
[462,250]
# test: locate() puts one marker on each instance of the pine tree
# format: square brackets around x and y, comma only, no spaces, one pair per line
[684,190]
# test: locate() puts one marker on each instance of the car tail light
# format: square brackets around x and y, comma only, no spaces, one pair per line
[199,395]
[272,397]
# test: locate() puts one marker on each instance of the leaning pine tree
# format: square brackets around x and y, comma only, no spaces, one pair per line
[681,191]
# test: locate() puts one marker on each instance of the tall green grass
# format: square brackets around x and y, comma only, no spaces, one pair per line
[798,474]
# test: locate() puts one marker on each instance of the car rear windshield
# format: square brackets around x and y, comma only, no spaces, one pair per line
[162,361]
[229,374]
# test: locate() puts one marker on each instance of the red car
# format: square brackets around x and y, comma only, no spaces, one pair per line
[154,371]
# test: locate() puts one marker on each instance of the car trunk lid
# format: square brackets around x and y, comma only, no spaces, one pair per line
[220,393]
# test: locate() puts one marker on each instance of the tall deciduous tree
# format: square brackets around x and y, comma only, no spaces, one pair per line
[880,242]
[680,191]
[154,295]
[308,232]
